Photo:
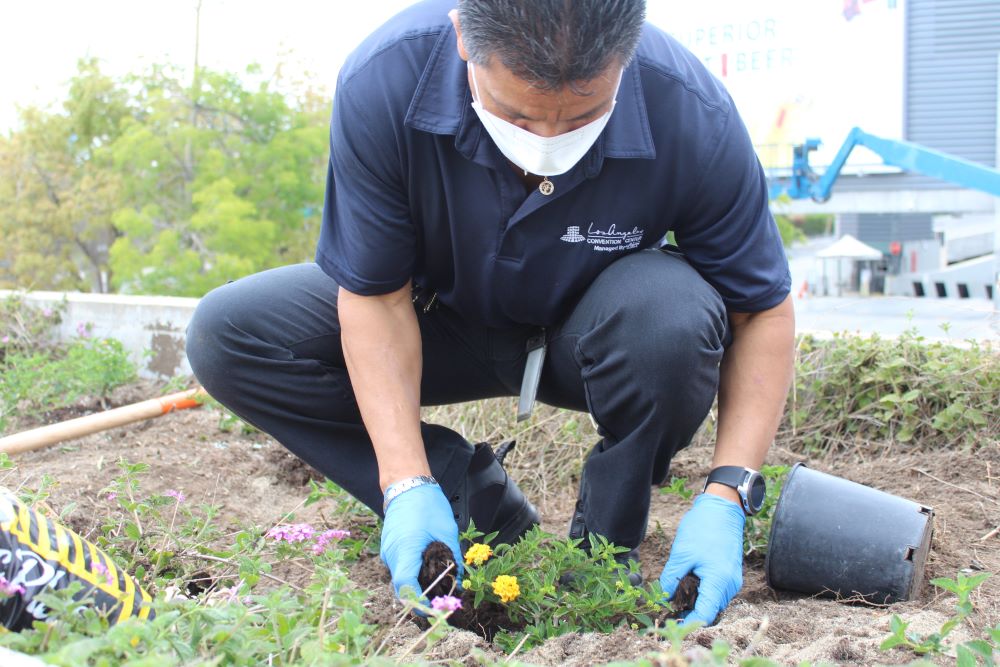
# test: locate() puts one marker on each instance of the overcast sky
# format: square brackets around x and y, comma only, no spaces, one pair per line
[41,40]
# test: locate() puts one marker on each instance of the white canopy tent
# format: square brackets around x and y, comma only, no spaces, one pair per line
[847,247]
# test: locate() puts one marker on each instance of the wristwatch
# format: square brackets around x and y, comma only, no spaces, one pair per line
[402,485]
[748,482]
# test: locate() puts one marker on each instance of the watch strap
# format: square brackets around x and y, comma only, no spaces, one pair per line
[731,476]
[403,485]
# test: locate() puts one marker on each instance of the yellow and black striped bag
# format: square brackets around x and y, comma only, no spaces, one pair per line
[38,554]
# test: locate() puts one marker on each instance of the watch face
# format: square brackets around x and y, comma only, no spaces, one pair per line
[757,491]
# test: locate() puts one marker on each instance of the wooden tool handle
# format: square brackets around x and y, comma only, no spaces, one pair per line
[44,436]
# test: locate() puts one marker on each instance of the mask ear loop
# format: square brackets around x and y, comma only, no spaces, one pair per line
[475,83]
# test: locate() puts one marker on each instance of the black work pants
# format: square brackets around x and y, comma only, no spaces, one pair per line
[640,352]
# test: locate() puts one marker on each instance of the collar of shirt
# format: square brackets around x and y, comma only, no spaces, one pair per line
[442,104]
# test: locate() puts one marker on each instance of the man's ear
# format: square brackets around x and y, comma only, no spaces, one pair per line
[462,53]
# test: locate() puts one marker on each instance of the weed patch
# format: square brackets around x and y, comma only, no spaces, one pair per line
[38,376]
[853,389]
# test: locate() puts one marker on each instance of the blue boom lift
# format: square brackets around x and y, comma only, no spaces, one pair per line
[804,182]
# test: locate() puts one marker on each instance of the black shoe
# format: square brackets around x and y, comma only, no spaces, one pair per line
[491,499]
[578,531]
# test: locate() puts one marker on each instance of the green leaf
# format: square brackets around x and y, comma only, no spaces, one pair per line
[132,531]
[897,625]
[975,580]
[946,584]
[976,417]
[890,642]
[980,647]
[948,626]
[964,657]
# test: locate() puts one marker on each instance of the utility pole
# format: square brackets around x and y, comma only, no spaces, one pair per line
[197,41]
[194,95]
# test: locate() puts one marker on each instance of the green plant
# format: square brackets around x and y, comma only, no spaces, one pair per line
[228,420]
[26,327]
[678,487]
[855,389]
[35,382]
[966,653]
[526,580]
[758,527]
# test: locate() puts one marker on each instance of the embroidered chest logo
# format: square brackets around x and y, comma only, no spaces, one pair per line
[572,235]
[604,240]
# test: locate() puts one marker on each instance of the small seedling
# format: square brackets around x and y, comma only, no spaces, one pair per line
[678,487]
[934,643]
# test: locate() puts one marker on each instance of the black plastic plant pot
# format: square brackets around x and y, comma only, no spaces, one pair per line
[831,536]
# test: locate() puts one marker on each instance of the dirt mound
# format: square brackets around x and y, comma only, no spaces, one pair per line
[255,481]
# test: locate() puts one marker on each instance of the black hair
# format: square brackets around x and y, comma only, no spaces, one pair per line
[552,43]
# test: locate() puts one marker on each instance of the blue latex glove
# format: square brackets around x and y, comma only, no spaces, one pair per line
[414,519]
[709,542]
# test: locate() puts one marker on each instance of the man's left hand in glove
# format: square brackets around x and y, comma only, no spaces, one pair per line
[709,543]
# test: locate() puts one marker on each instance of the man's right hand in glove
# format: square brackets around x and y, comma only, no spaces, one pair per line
[414,519]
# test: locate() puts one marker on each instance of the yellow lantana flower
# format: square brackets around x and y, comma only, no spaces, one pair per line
[478,554]
[506,587]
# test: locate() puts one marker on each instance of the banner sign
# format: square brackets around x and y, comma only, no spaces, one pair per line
[800,68]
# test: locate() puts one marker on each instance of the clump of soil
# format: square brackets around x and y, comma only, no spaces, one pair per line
[685,596]
[292,470]
[486,620]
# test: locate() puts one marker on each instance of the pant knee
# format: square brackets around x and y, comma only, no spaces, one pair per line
[668,315]
[206,346]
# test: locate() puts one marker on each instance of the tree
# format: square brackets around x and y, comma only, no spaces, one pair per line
[57,194]
[223,183]
[147,184]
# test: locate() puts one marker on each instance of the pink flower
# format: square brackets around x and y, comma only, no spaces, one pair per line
[174,493]
[446,603]
[231,594]
[83,329]
[46,312]
[112,496]
[296,532]
[324,539]
[101,568]
[8,589]
[5,340]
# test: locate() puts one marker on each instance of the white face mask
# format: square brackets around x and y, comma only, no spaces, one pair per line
[544,156]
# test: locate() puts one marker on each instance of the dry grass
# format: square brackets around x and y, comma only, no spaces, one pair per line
[853,396]
[551,446]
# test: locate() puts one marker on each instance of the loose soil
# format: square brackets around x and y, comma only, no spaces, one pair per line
[256,481]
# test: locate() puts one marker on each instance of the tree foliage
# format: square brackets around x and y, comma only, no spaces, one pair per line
[149,183]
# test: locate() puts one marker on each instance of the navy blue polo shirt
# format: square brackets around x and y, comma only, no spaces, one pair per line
[416,188]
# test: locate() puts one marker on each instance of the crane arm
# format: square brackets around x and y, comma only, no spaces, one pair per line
[906,155]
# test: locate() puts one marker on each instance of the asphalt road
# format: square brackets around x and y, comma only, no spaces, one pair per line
[938,319]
